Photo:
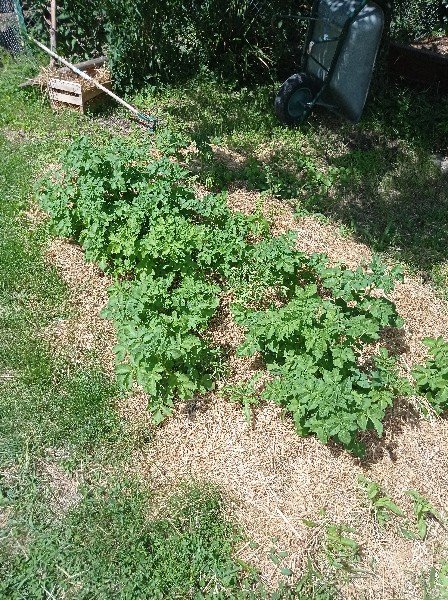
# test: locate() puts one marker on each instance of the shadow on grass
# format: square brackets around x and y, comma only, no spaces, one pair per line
[377,178]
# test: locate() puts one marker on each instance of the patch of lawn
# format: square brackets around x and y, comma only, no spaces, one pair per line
[108,545]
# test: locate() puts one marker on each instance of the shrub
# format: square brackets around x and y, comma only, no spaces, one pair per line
[166,40]
[80,26]
[413,19]
[152,41]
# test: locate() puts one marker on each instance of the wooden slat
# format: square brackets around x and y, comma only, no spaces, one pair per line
[58,97]
[66,86]
[89,94]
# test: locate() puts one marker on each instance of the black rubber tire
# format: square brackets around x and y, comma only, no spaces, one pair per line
[301,83]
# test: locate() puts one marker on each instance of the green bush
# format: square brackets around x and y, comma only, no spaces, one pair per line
[413,19]
[170,40]
[153,41]
[80,26]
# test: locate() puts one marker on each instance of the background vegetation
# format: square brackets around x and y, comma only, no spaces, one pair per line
[153,41]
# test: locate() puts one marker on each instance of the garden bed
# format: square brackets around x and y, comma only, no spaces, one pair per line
[272,478]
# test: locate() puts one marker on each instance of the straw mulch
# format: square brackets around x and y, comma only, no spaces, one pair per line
[433,44]
[272,478]
[99,74]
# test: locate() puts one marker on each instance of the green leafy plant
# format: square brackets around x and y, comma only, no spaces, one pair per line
[342,551]
[173,253]
[169,250]
[245,394]
[312,345]
[159,345]
[423,510]
[413,19]
[431,378]
[382,505]
[435,584]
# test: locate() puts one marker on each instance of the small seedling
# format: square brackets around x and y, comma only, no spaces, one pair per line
[245,395]
[423,509]
[435,585]
[342,552]
[382,505]
[277,557]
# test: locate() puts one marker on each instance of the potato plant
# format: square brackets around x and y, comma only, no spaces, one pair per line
[431,378]
[313,343]
[173,253]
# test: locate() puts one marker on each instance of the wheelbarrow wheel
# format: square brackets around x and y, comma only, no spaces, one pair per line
[293,102]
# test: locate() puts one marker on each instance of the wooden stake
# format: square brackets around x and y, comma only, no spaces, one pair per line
[53,31]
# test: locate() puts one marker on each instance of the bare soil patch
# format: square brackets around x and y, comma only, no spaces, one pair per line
[273,478]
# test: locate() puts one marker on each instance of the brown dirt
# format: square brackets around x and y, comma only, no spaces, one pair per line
[273,478]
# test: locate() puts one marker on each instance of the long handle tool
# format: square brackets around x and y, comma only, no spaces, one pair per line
[147,119]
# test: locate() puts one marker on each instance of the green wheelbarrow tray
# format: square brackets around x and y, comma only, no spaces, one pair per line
[338,60]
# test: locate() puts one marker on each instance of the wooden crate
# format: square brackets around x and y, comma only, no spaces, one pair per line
[70,92]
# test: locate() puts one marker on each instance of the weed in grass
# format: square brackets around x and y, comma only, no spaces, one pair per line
[338,551]
[109,545]
[315,586]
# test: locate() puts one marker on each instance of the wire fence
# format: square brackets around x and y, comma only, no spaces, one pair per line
[10,27]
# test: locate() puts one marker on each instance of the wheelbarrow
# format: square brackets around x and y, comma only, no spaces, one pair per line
[341,46]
